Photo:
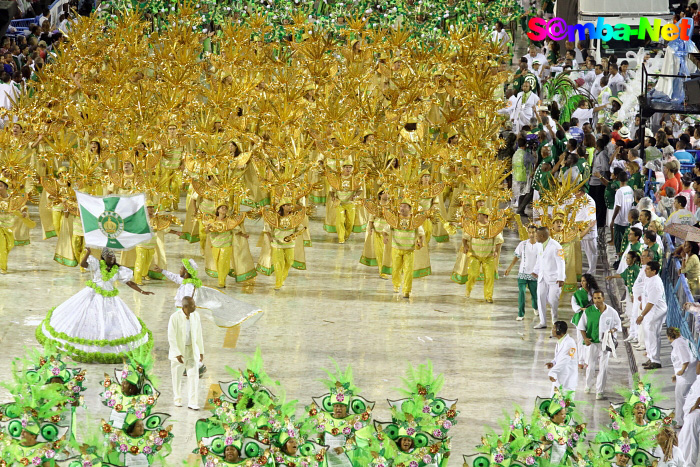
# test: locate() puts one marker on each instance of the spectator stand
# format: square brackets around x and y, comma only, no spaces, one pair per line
[678,294]
[22,25]
[648,105]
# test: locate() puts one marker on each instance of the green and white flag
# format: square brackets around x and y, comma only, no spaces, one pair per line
[117,222]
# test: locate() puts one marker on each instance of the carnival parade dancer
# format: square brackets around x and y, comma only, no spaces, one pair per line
[95,325]
[223,309]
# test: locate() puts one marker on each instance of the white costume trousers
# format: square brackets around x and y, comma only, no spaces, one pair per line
[689,437]
[632,312]
[652,335]
[682,388]
[192,368]
[597,357]
[548,293]
[582,349]
[588,245]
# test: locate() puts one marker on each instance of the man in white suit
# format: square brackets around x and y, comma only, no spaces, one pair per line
[550,274]
[186,350]
[563,370]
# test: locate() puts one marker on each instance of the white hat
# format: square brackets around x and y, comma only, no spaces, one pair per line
[648,133]
[624,132]
[537,61]
[542,108]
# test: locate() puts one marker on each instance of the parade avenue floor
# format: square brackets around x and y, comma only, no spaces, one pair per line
[336,308]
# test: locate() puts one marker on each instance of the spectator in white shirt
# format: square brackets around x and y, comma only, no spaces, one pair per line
[680,214]
[584,113]
[45,16]
[624,198]
[534,54]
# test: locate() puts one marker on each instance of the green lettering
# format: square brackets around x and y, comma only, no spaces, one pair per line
[621,32]
[646,30]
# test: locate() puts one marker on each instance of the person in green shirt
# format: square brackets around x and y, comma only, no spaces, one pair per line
[651,245]
[611,187]
[636,179]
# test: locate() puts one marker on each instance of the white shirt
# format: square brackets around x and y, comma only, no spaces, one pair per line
[500,38]
[565,369]
[682,216]
[177,334]
[609,320]
[624,198]
[528,253]
[655,294]
[185,290]
[550,263]
[677,457]
[638,286]
[583,115]
[587,214]
[188,332]
[539,57]
[680,354]
[692,396]
[616,80]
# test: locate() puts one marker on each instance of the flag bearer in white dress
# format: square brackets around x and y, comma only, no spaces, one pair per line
[563,370]
[550,274]
[596,322]
[653,314]
[187,280]
[186,350]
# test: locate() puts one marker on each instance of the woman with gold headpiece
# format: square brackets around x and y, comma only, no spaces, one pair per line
[172,164]
[230,251]
[404,230]
[345,188]
[281,229]
[431,202]
[144,258]
[11,206]
[482,240]
[375,250]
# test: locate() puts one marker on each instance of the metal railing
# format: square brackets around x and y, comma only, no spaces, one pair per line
[677,294]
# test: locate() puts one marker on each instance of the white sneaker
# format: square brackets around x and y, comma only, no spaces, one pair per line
[193,407]
[629,339]
[540,326]
[177,404]
[634,341]
[587,390]
[519,318]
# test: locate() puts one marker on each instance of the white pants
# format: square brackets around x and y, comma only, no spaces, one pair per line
[519,189]
[683,385]
[638,306]
[652,335]
[192,368]
[689,437]
[582,349]
[632,314]
[596,356]
[589,247]
[548,293]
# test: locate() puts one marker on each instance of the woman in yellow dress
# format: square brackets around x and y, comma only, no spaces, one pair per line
[11,207]
[230,250]
[567,236]
[374,250]
[281,229]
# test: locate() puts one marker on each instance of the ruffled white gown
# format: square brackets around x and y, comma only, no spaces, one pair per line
[93,326]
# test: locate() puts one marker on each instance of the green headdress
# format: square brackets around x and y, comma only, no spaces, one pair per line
[421,389]
[414,425]
[560,400]
[643,392]
[342,391]
[496,450]
[248,383]
[137,370]
[191,268]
